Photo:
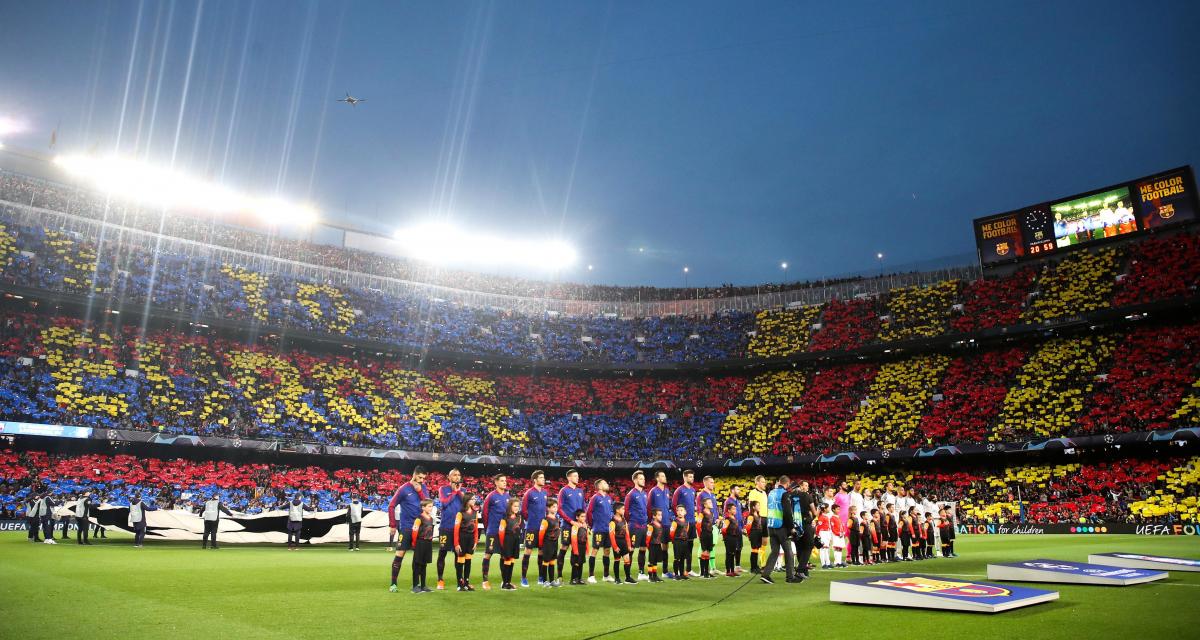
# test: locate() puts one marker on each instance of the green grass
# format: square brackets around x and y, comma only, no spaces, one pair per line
[174,589]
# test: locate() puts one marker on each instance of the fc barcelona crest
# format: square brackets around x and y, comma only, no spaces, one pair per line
[1001,248]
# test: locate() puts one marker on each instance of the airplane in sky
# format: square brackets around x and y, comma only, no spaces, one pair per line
[351,100]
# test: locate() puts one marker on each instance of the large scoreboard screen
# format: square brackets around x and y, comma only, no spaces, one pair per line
[1147,203]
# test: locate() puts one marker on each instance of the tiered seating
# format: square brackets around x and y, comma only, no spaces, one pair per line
[895,403]
[1080,283]
[1160,269]
[846,325]
[782,332]
[991,303]
[833,396]
[1178,499]
[919,312]
[8,247]
[206,288]
[765,408]
[1050,389]
[1189,409]
[1152,491]
[973,391]
[1150,372]
[57,371]
[1111,492]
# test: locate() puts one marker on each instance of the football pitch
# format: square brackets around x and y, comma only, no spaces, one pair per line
[112,590]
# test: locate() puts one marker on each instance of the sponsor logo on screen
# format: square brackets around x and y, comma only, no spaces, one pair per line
[931,586]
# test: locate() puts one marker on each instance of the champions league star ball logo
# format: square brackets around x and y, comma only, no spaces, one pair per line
[945,587]
[1001,248]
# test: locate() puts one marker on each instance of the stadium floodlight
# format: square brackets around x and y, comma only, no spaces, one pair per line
[155,186]
[443,243]
[10,125]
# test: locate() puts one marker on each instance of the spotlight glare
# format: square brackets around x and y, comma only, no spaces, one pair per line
[443,243]
[155,186]
[10,125]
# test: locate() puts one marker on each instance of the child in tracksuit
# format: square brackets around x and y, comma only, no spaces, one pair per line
[422,535]
[510,543]
[579,546]
[680,537]
[704,531]
[657,543]
[731,535]
[548,536]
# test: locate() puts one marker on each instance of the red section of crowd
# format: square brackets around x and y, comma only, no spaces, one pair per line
[1160,269]
[846,324]
[993,303]
[618,397]
[830,401]
[973,391]
[1151,370]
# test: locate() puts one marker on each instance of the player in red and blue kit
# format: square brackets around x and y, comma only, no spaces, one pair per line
[533,511]
[450,502]
[707,492]
[637,513]
[494,507]
[570,500]
[599,520]
[660,498]
[405,508]
[685,496]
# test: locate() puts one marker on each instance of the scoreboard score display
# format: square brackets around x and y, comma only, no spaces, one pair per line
[1155,201]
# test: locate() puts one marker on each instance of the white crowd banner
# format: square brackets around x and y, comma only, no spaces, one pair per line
[270,526]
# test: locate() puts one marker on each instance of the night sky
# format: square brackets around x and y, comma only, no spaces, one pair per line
[728,137]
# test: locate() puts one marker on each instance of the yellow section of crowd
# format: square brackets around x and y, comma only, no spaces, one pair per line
[330,376]
[1171,500]
[275,400]
[1049,390]
[479,397]
[919,312]
[80,261]
[342,316]
[765,408]
[1080,283]
[8,246]
[782,332]
[425,399]
[898,398]
[1190,407]
[253,286]
[71,356]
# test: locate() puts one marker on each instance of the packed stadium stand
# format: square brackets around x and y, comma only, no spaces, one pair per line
[116,318]
[1141,491]
[59,370]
